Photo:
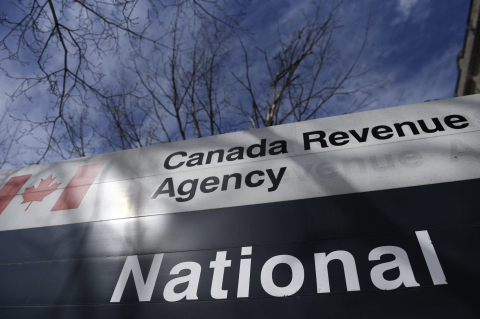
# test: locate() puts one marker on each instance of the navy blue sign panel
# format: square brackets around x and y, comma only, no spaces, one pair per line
[338,266]
[368,262]
[369,215]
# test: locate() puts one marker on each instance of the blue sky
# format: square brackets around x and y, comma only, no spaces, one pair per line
[415,45]
[412,51]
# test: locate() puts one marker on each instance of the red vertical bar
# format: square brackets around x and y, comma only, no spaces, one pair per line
[10,189]
[77,188]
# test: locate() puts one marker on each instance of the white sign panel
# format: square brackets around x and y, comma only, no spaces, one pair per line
[426,143]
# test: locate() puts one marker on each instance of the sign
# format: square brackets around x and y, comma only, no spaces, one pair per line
[366,215]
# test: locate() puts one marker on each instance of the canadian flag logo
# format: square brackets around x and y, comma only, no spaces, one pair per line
[71,197]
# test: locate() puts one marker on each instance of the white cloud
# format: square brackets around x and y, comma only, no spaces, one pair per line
[405,7]
[414,10]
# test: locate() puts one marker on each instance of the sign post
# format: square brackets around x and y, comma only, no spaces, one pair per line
[366,215]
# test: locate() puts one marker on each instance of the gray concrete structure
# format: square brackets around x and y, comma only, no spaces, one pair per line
[469,58]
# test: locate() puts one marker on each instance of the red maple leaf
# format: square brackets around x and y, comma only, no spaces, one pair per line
[32,194]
